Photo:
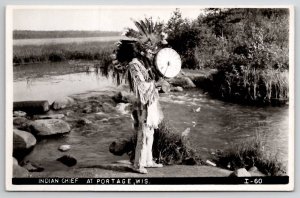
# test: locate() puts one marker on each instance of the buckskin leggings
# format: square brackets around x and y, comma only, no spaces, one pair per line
[143,150]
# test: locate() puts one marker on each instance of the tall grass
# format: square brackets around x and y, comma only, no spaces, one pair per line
[251,85]
[60,52]
[248,154]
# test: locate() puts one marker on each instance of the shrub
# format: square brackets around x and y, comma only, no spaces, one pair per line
[169,147]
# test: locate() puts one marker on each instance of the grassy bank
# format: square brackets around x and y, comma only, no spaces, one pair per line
[249,154]
[61,52]
[250,86]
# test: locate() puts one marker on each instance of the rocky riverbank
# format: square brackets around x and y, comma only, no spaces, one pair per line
[56,141]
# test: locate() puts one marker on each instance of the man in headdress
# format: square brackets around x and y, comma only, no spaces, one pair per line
[137,57]
[147,114]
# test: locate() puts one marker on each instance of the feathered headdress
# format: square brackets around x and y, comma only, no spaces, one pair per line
[148,38]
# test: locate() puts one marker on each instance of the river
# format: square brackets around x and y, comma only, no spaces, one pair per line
[214,124]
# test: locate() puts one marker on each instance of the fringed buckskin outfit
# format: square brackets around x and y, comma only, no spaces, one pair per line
[149,113]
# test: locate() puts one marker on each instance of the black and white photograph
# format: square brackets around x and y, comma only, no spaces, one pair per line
[149,98]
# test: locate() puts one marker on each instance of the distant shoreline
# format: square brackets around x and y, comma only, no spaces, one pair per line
[38,34]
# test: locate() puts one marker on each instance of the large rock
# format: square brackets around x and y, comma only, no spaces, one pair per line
[19,171]
[22,140]
[21,123]
[182,81]
[124,97]
[241,172]
[62,103]
[49,127]
[165,86]
[32,107]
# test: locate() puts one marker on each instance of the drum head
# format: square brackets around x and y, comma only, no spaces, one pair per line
[168,62]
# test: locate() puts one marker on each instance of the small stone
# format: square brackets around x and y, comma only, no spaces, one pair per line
[177,89]
[49,127]
[197,110]
[255,172]
[64,147]
[241,172]
[87,109]
[62,103]
[186,132]
[52,116]
[67,160]
[68,113]
[104,120]
[119,147]
[210,163]
[83,121]
[165,87]
[19,114]
[124,108]
[22,140]
[253,168]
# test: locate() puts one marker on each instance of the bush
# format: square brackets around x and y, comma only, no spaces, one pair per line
[168,148]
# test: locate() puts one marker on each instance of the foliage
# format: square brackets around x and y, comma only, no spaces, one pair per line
[184,38]
[249,154]
[248,47]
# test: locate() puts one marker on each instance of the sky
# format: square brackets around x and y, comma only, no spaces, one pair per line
[100,18]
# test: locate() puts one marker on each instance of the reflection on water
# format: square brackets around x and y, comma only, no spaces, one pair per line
[214,124]
[52,87]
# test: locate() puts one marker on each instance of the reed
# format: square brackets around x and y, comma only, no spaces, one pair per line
[251,85]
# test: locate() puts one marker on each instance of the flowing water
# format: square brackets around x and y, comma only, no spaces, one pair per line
[214,124]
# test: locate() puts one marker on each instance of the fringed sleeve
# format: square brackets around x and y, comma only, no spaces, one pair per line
[143,88]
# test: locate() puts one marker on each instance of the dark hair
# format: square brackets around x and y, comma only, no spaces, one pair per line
[128,50]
